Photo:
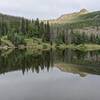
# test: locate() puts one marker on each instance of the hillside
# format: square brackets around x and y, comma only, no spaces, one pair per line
[81,16]
[81,27]
[18,29]
[9,18]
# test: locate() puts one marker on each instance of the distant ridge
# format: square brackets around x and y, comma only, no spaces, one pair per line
[82,15]
[83,11]
[72,15]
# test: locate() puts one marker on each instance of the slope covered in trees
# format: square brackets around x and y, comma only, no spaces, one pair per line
[68,29]
[78,28]
[18,28]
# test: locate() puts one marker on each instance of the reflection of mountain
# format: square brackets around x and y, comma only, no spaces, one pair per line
[28,60]
[78,69]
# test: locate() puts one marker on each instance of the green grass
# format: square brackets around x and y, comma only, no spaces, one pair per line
[81,47]
[5,41]
[37,44]
[88,47]
[29,41]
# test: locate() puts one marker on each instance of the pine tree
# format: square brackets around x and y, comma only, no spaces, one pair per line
[22,26]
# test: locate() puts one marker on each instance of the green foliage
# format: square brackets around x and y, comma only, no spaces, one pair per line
[67,23]
[13,26]
[46,36]
[16,39]
[98,39]
[45,46]
[17,29]
[59,39]
[0,41]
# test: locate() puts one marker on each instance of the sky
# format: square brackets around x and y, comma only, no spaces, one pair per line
[46,9]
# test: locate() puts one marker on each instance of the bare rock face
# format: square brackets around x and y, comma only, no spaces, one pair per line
[83,11]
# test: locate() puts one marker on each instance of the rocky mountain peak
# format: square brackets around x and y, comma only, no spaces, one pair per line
[83,11]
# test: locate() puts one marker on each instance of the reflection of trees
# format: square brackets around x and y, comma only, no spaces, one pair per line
[78,62]
[78,57]
[23,60]
[20,60]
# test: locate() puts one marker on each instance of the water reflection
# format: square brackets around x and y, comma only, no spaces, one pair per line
[69,61]
[23,60]
[78,57]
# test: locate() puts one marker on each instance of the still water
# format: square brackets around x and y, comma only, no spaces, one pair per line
[49,75]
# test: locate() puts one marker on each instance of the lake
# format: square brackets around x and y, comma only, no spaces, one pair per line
[49,75]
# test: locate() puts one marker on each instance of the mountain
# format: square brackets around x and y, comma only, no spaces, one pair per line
[9,18]
[78,28]
[82,15]
[79,23]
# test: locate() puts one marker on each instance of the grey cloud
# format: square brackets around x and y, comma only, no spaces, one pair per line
[45,8]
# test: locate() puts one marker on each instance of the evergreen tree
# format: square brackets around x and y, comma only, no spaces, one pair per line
[22,26]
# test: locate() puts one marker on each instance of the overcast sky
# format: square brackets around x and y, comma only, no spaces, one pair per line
[45,9]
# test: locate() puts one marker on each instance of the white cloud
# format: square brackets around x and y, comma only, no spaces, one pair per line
[45,8]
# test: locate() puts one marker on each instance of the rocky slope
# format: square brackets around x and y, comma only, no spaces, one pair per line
[82,15]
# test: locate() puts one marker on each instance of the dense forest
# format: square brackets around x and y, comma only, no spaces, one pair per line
[64,27]
[17,29]
[67,35]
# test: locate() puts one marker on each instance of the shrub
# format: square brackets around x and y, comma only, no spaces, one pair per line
[16,39]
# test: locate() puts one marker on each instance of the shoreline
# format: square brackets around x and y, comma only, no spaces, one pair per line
[47,46]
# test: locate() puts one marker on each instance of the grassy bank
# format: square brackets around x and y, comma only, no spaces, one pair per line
[81,47]
[87,47]
[37,44]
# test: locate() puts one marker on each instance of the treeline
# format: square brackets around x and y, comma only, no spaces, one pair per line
[64,33]
[68,36]
[17,28]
